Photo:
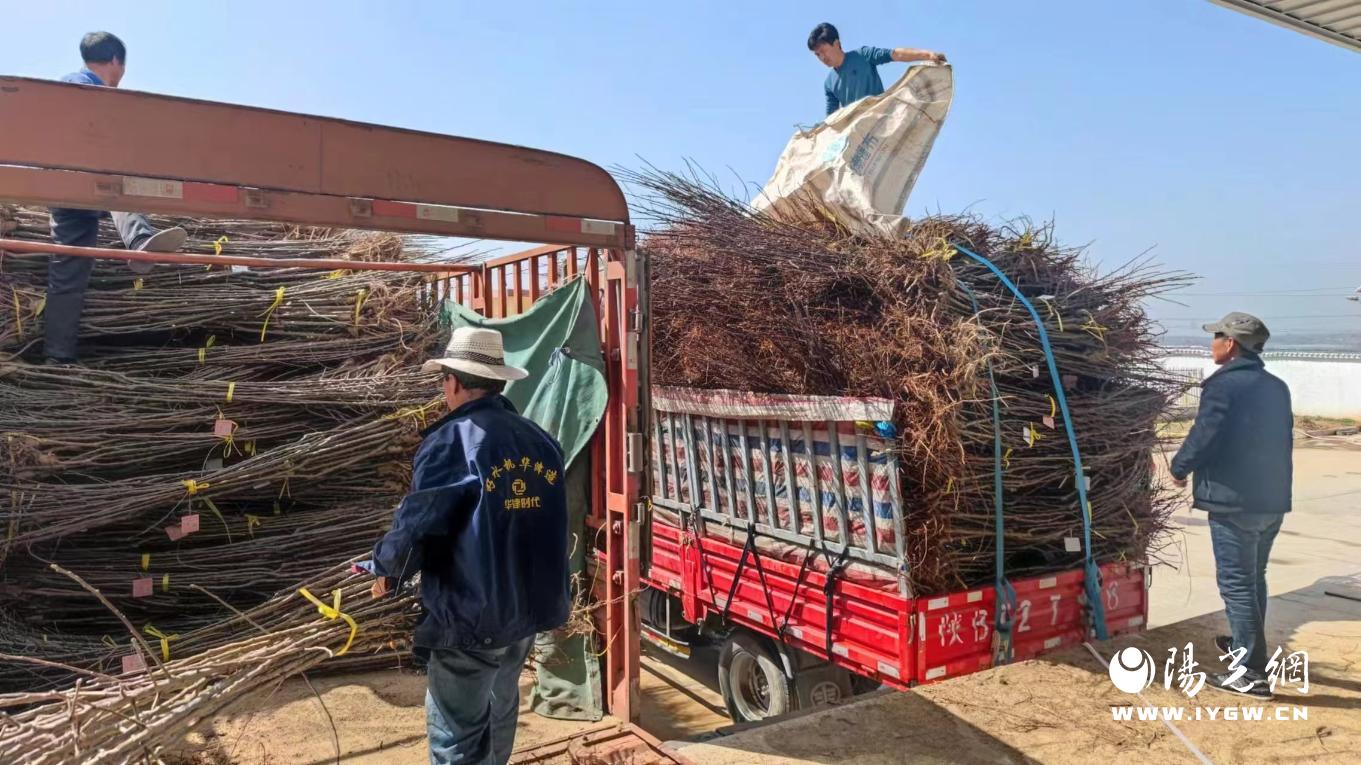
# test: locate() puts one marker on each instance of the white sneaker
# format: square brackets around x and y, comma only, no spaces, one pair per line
[169,240]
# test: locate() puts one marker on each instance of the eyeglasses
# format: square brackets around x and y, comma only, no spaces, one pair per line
[1220,335]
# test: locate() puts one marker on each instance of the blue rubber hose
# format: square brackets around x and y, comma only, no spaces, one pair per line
[1091,574]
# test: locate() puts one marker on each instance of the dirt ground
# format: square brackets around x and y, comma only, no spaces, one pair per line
[1057,710]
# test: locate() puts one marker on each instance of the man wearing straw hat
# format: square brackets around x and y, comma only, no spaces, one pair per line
[485,524]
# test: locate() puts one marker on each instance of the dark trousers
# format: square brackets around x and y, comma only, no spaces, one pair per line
[1242,544]
[472,703]
[67,277]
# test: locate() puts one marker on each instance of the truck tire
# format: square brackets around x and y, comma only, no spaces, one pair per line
[753,685]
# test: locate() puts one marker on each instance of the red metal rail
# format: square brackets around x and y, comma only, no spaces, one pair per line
[317,264]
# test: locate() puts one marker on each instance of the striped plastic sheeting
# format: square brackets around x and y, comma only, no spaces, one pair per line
[719,443]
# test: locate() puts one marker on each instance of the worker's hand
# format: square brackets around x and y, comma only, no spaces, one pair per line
[938,58]
[1180,483]
[381,586]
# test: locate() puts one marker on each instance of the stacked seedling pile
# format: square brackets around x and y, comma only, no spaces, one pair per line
[744,301]
[227,434]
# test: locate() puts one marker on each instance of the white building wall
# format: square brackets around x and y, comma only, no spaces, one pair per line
[1321,384]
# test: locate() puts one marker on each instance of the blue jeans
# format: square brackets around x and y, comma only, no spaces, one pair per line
[473,702]
[1242,545]
[68,275]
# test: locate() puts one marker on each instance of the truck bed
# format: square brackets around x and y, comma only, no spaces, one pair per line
[783,514]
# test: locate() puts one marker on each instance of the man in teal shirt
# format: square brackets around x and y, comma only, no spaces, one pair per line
[855,75]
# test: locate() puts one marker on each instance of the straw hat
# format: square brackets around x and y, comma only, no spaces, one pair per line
[477,352]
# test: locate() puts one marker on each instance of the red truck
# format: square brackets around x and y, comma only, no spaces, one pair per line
[785,543]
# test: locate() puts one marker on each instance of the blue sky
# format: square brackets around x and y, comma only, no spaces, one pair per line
[1227,145]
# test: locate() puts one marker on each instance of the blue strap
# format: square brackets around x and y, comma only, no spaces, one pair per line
[1091,574]
[1006,594]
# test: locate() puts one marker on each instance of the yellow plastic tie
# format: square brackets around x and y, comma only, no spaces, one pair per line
[336,274]
[250,448]
[415,412]
[203,352]
[941,250]
[278,301]
[1006,458]
[137,284]
[1095,329]
[359,298]
[194,487]
[217,246]
[251,522]
[146,561]
[1053,405]
[40,307]
[231,388]
[18,320]
[333,612]
[950,485]
[164,638]
[165,583]
[1032,434]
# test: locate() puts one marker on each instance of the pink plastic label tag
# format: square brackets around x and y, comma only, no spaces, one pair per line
[223,428]
[174,533]
[188,524]
[134,663]
[142,587]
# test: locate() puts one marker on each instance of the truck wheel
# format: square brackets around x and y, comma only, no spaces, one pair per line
[753,685]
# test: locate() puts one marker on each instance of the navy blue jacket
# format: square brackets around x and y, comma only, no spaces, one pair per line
[1240,445]
[485,524]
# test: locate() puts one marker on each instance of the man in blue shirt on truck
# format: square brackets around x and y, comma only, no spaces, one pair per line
[105,59]
[855,74]
[485,525]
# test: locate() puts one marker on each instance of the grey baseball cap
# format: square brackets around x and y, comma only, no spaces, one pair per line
[1247,329]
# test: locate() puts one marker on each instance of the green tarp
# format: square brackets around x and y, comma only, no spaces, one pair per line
[557,341]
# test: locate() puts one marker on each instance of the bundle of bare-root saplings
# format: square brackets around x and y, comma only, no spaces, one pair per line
[743,301]
[227,434]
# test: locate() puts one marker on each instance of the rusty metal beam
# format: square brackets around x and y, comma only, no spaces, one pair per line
[60,188]
[120,132]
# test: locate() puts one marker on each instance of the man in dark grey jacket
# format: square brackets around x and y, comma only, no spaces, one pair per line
[1240,452]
